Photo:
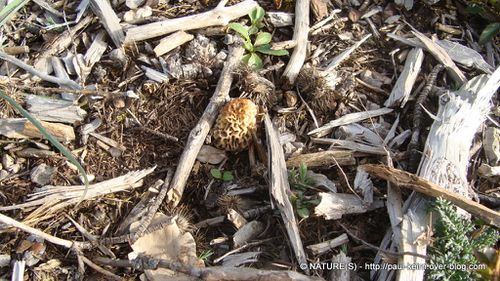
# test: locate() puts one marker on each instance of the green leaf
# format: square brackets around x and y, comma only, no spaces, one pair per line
[216,173]
[266,49]
[255,61]
[248,46]
[303,171]
[262,38]
[240,29]
[303,213]
[50,138]
[489,32]
[253,29]
[245,58]
[256,15]
[11,9]
[227,176]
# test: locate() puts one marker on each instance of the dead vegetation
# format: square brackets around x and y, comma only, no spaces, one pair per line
[202,167]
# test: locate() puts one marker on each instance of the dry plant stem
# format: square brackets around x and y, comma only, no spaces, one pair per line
[99,269]
[301,31]
[200,131]
[52,239]
[62,82]
[390,253]
[220,219]
[416,183]
[90,237]
[239,249]
[213,273]
[219,16]
[417,119]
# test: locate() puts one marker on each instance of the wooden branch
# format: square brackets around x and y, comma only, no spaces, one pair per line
[200,131]
[109,20]
[419,184]
[301,31]
[322,159]
[20,128]
[62,82]
[171,42]
[280,189]
[219,16]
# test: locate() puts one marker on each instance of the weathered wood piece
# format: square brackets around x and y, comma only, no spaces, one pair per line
[22,128]
[334,205]
[441,55]
[61,82]
[345,54]
[322,159]
[323,247]
[280,189]
[221,15]
[350,118]
[109,20]
[53,198]
[199,132]
[300,34]
[402,89]
[54,110]
[419,184]
[445,159]
[354,146]
[171,42]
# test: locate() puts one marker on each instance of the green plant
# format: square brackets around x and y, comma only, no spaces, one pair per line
[490,11]
[205,255]
[50,138]
[254,40]
[222,175]
[300,183]
[455,244]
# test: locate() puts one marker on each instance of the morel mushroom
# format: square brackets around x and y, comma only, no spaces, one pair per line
[235,125]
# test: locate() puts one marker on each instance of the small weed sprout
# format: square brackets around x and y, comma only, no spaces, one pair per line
[206,255]
[300,183]
[225,176]
[456,241]
[255,40]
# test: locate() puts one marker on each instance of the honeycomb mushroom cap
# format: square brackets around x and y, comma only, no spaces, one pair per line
[235,124]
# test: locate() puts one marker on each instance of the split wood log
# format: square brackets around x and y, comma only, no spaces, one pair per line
[200,131]
[445,160]
[419,184]
[109,19]
[300,34]
[322,159]
[280,189]
[221,15]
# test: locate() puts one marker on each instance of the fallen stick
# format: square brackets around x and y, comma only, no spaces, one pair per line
[221,15]
[200,131]
[301,31]
[8,221]
[419,184]
[221,273]
[61,82]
